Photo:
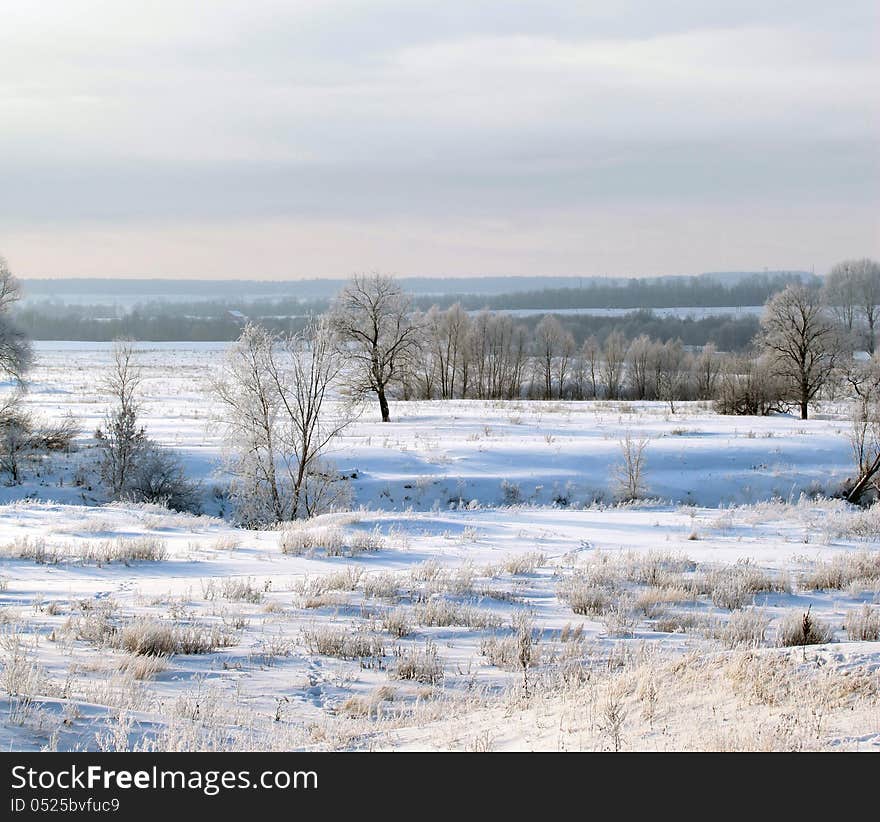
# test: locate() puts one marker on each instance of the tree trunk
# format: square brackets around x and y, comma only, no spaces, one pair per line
[804,409]
[862,483]
[383,404]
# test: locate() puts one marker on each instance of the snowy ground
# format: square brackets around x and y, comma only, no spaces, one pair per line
[402,624]
[437,454]
[684,311]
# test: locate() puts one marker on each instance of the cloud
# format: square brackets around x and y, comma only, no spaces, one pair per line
[278,112]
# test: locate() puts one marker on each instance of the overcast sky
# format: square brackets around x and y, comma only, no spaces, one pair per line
[296,139]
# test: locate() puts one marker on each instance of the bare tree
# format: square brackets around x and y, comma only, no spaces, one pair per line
[16,438]
[553,345]
[592,358]
[498,351]
[244,387]
[630,472]
[371,317]
[750,386]
[864,437]
[865,443]
[841,295]
[802,340]
[276,422]
[867,274]
[614,356]
[671,372]
[313,363]
[708,368]
[852,290]
[15,350]
[638,366]
[447,333]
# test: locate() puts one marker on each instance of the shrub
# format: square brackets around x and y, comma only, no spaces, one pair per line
[511,493]
[750,388]
[159,476]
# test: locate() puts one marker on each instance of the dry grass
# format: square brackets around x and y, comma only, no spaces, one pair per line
[735,586]
[523,564]
[744,629]
[443,613]
[343,643]
[148,637]
[369,707]
[397,622]
[346,579]
[299,538]
[143,667]
[92,552]
[862,624]
[651,601]
[859,570]
[382,585]
[585,596]
[423,666]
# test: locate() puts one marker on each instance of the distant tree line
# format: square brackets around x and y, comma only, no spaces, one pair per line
[203,320]
[636,293]
[727,333]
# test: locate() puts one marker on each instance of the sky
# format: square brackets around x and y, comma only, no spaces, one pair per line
[281,140]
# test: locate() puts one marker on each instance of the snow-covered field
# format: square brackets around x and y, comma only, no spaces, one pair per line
[696,313]
[482,536]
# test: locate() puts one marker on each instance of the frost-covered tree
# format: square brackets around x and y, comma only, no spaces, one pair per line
[498,354]
[707,369]
[802,341]
[372,318]
[15,350]
[614,356]
[122,439]
[134,467]
[277,425]
[591,357]
[638,368]
[671,372]
[852,290]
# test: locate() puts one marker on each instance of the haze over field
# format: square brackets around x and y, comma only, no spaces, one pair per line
[275,140]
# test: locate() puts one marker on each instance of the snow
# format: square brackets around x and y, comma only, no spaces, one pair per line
[434,486]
